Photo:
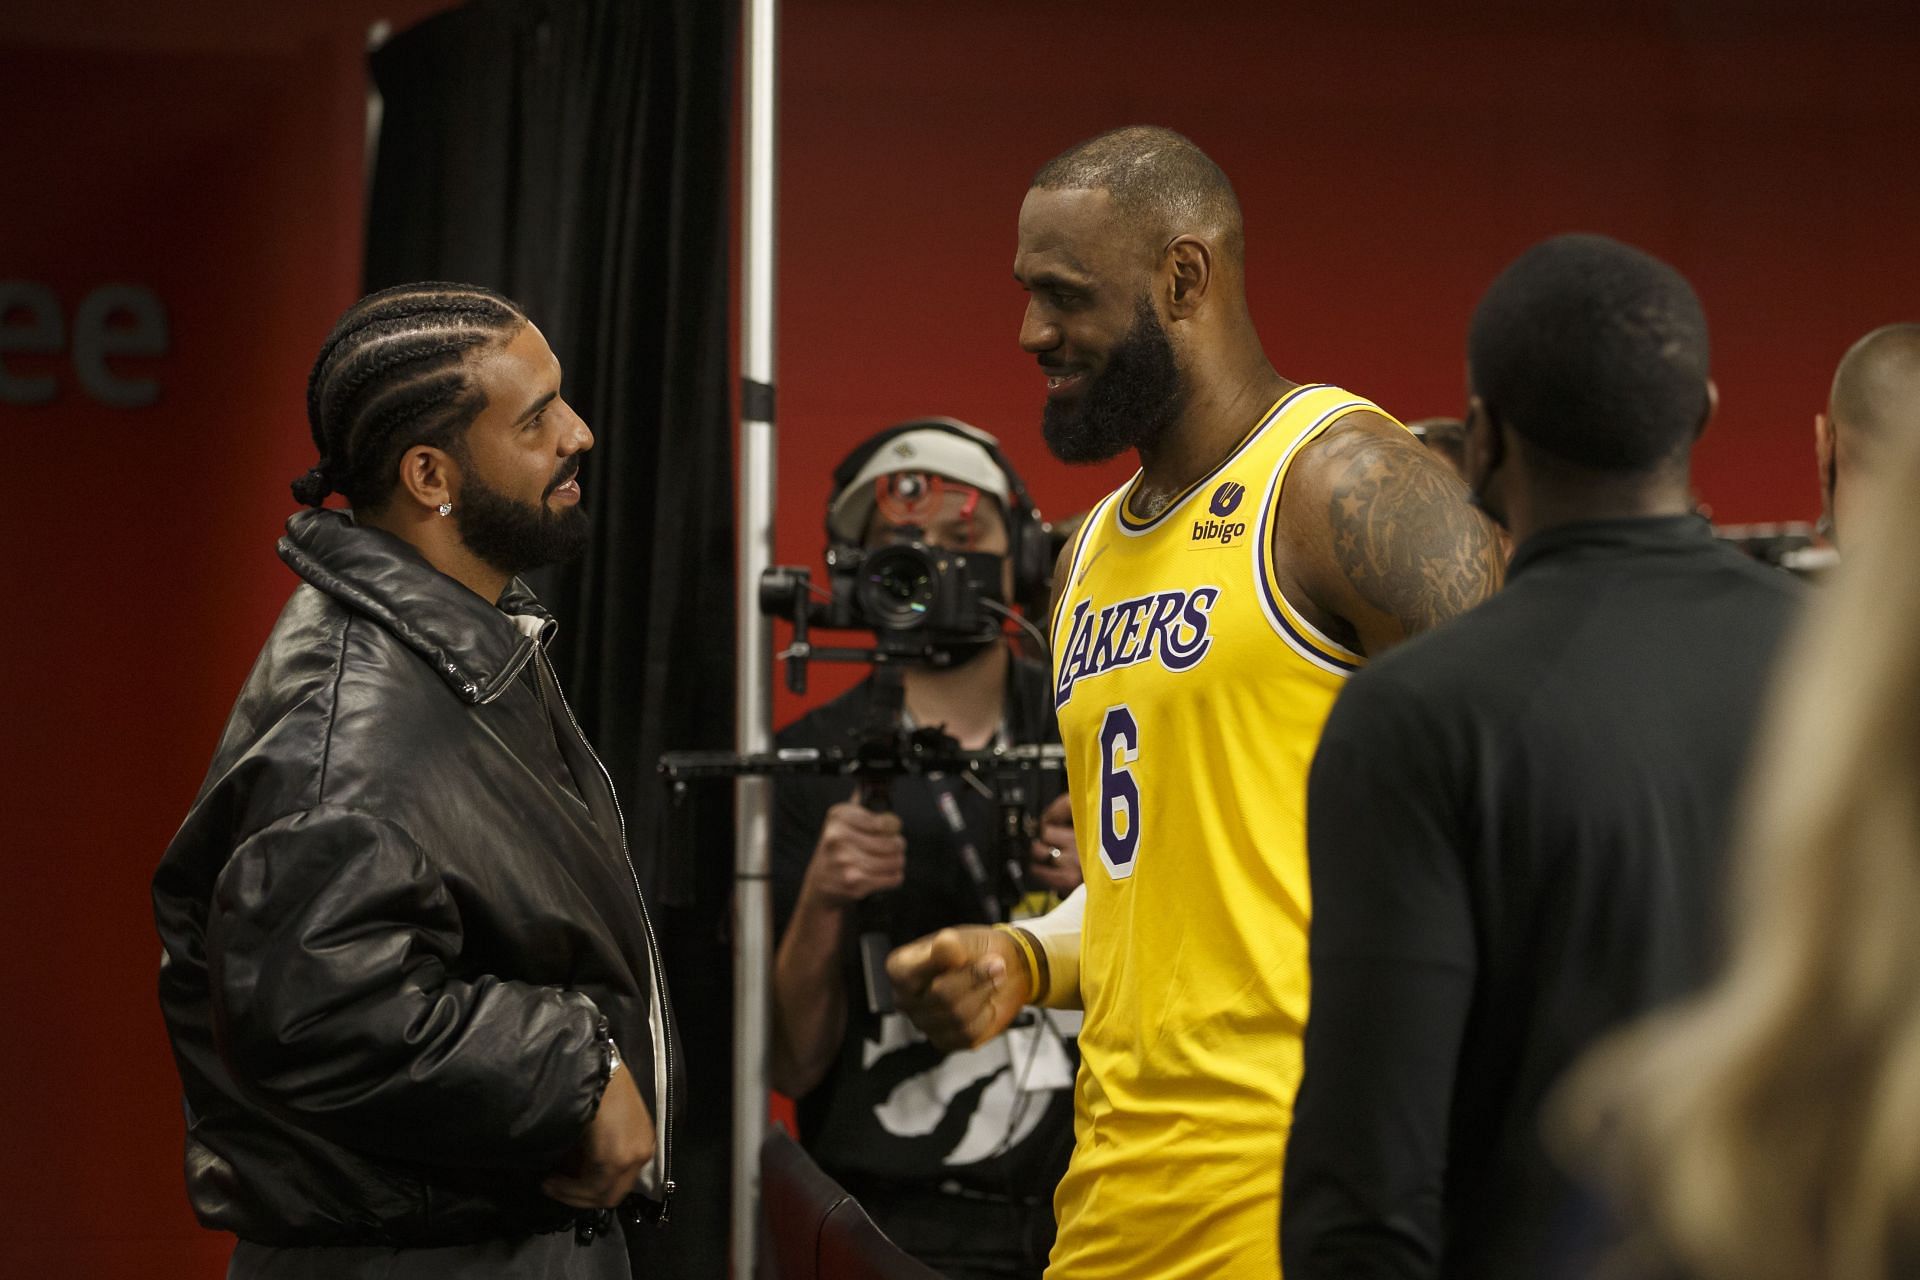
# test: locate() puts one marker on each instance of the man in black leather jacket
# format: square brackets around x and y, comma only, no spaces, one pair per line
[410,982]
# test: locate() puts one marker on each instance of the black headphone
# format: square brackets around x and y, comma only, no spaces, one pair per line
[1029,550]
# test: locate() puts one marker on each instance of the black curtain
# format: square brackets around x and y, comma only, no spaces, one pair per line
[573,154]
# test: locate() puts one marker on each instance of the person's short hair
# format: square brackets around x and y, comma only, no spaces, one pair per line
[1593,351]
[1155,176]
[393,375]
[1876,384]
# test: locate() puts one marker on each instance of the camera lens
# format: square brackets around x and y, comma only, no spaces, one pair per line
[899,588]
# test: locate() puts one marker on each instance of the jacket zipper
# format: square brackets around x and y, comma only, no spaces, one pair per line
[653,953]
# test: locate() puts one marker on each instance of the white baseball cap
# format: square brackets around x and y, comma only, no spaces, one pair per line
[936,450]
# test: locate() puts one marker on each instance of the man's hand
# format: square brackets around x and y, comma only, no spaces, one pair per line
[860,853]
[960,986]
[601,1171]
[1054,859]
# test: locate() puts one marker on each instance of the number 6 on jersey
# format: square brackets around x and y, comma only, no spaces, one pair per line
[1119,793]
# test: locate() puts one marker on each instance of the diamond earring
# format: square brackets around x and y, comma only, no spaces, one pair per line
[446,508]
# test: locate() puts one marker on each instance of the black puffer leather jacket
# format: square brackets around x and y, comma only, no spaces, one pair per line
[399,922]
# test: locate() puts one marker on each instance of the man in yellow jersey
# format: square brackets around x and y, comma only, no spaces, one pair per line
[1206,615]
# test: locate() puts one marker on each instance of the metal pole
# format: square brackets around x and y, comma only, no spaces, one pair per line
[753,717]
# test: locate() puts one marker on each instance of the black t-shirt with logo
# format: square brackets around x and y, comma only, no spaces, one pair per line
[997,1119]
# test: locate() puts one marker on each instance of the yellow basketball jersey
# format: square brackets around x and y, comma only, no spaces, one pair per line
[1191,696]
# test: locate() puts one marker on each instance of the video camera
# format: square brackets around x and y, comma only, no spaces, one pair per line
[912,589]
[923,604]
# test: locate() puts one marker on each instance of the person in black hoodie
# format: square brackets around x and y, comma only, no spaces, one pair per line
[409,979]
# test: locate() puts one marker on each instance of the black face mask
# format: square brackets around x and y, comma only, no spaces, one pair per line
[1476,495]
[1477,485]
[515,537]
[1132,404]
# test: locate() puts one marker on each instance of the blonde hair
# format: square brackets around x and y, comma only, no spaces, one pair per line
[1771,1127]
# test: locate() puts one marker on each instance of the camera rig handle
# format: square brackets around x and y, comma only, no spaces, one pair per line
[924,611]
[1017,777]
[915,751]
[885,718]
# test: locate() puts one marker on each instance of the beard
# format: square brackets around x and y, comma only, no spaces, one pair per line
[516,537]
[1131,404]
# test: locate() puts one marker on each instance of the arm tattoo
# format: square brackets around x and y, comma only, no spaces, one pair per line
[1404,534]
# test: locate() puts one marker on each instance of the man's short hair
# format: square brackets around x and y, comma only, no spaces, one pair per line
[1876,389]
[1157,177]
[1593,351]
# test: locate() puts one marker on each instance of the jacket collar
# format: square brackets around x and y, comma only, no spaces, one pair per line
[475,646]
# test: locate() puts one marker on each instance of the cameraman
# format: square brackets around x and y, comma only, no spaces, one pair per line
[955,1156]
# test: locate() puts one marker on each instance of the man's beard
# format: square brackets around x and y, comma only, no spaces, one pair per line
[515,537]
[1131,404]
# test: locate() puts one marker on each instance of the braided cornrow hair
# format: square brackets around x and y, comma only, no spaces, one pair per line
[393,375]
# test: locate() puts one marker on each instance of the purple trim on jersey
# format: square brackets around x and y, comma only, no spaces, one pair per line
[1313,647]
[1269,536]
[1273,415]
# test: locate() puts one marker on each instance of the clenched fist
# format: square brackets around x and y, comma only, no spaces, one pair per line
[960,986]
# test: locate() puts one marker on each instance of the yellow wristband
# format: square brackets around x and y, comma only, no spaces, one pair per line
[1036,961]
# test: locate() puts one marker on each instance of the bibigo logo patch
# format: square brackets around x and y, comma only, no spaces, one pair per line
[1222,531]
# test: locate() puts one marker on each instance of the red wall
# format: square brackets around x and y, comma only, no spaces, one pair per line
[216,162]
[1391,155]
[1390,163]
